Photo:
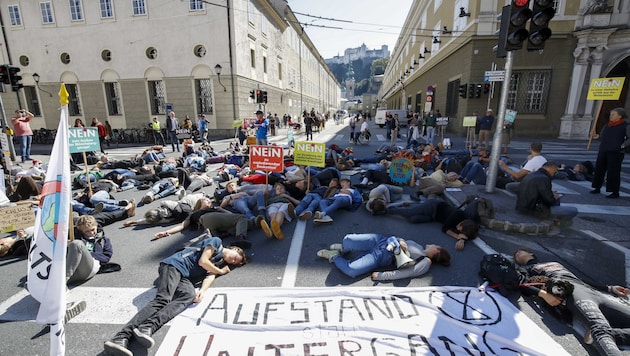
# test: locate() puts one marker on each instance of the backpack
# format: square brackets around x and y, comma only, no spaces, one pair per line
[477,207]
[500,274]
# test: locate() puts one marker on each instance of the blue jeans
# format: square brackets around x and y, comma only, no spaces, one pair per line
[375,254]
[474,172]
[81,208]
[329,205]
[246,204]
[261,141]
[25,146]
[309,203]
[430,134]
[162,189]
[103,197]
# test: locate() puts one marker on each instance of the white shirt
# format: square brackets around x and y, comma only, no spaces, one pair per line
[364,126]
[535,163]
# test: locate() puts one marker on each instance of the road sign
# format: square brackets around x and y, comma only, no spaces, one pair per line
[494,76]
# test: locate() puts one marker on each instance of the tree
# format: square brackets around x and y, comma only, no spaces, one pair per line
[378,66]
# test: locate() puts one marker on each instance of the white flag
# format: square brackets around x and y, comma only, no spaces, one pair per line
[47,256]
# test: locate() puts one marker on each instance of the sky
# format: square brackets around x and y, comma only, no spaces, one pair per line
[373,22]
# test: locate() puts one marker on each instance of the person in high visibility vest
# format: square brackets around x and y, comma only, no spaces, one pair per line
[157,131]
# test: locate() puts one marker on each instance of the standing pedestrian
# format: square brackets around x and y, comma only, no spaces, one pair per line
[157,132]
[308,126]
[272,124]
[262,128]
[22,127]
[431,122]
[108,130]
[353,124]
[395,125]
[615,138]
[102,131]
[485,126]
[202,125]
[172,124]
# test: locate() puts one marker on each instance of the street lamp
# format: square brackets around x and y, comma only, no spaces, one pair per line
[217,69]
[36,79]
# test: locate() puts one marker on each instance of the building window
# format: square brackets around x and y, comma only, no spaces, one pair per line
[251,14]
[47,13]
[65,58]
[107,9]
[265,64]
[157,97]
[252,55]
[106,55]
[31,100]
[76,12]
[139,8]
[151,53]
[24,61]
[113,98]
[200,51]
[14,15]
[529,91]
[74,104]
[280,71]
[204,96]
[196,5]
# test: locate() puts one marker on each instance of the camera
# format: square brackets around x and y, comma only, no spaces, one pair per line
[559,288]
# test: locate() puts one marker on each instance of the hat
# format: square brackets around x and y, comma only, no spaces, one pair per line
[259,112]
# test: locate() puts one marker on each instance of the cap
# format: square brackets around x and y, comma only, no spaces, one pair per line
[260,112]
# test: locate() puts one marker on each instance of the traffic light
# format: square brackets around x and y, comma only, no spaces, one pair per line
[4,74]
[258,96]
[539,30]
[15,78]
[471,90]
[513,21]
[264,97]
[462,90]
[486,88]
[478,88]
[252,95]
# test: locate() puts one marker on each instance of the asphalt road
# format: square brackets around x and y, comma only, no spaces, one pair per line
[292,262]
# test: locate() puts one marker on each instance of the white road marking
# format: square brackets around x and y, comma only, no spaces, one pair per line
[293,261]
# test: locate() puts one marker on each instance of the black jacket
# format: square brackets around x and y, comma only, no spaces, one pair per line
[535,195]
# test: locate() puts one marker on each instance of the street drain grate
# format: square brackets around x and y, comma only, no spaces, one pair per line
[592,219]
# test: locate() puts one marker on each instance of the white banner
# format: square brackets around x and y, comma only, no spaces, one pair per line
[355,321]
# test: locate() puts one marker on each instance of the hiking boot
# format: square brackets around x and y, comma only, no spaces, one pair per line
[123,202]
[143,336]
[291,210]
[305,215]
[147,199]
[118,347]
[73,309]
[277,231]
[328,254]
[324,220]
[338,247]
[132,209]
[98,208]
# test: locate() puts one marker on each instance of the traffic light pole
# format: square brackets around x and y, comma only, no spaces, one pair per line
[491,179]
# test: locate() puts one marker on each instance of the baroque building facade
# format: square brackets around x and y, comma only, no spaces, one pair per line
[448,44]
[126,61]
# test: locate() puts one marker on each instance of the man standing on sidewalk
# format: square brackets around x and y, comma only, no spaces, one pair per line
[262,128]
[21,125]
[172,124]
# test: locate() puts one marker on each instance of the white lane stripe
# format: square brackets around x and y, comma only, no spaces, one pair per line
[599,209]
[103,305]
[293,260]
[587,185]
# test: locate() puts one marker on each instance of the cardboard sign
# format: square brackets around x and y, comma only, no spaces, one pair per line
[83,139]
[401,170]
[605,88]
[248,122]
[16,217]
[510,116]
[266,158]
[183,133]
[310,154]
[470,121]
[441,121]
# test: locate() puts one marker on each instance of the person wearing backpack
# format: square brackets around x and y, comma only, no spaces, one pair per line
[606,319]
[176,290]
[353,124]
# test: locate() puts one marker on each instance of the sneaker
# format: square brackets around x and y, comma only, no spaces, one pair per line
[277,231]
[73,309]
[613,196]
[123,202]
[324,220]
[318,215]
[291,210]
[132,209]
[118,347]
[143,336]
[98,208]
[337,247]
[305,215]
[266,229]
[328,254]
[181,193]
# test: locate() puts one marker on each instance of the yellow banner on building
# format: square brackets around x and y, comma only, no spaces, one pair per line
[605,88]
[310,154]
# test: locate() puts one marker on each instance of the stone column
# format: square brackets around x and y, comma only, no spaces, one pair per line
[572,125]
[597,55]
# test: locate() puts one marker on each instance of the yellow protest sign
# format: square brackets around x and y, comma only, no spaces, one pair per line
[605,88]
[310,154]
[470,121]
[16,217]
